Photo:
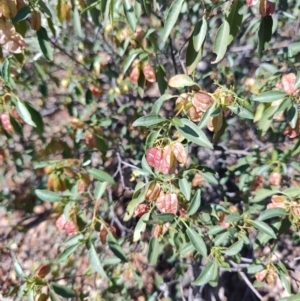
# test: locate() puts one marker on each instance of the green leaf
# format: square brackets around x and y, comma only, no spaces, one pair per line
[297,81]
[171,18]
[264,34]
[157,105]
[48,196]
[272,212]
[206,274]
[63,290]
[208,113]
[254,268]
[192,57]
[30,295]
[221,42]
[232,218]
[18,269]
[214,230]
[130,15]
[148,120]
[73,240]
[5,71]
[285,282]
[263,193]
[99,190]
[22,14]
[263,227]
[44,8]
[101,144]
[44,43]
[235,248]
[180,81]
[195,203]
[221,239]
[23,112]
[64,255]
[234,20]
[153,251]
[292,192]
[77,22]
[131,57]
[191,132]
[115,247]
[95,261]
[197,241]
[199,34]
[241,111]
[269,96]
[165,217]
[93,11]
[53,296]
[101,175]
[292,115]
[185,188]
[161,79]
[140,226]
[36,118]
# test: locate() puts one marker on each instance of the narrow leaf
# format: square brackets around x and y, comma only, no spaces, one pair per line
[44,43]
[148,120]
[206,274]
[130,15]
[101,175]
[235,248]
[171,18]
[115,247]
[191,132]
[272,212]
[153,251]
[64,255]
[185,188]
[197,242]
[48,196]
[269,96]
[263,227]
[22,14]
[199,33]
[99,190]
[95,261]
[63,290]
[221,42]
[264,34]
[195,203]
[24,113]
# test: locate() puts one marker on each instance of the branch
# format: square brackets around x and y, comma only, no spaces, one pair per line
[245,278]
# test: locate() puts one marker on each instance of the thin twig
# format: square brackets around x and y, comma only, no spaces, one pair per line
[245,278]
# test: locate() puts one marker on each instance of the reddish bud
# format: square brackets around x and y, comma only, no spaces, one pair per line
[68,226]
[149,73]
[140,210]
[260,276]
[202,101]
[168,162]
[275,179]
[288,83]
[152,192]
[134,75]
[43,270]
[167,203]
[153,157]
[4,117]
[104,231]
[179,152]
[159,230]
[198,180]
